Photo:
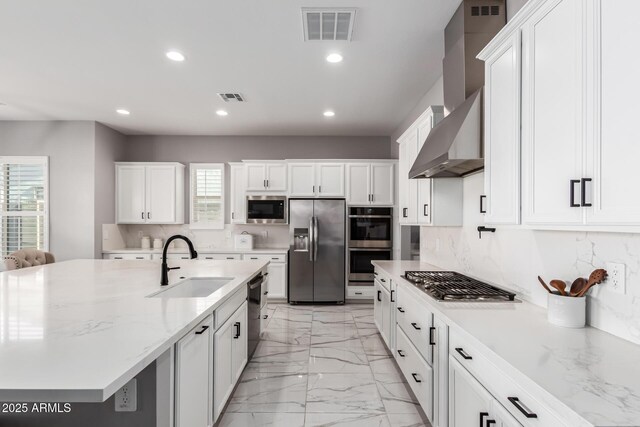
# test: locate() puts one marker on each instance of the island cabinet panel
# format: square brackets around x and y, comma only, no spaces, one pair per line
[468,400]
[230,357]
[194,377]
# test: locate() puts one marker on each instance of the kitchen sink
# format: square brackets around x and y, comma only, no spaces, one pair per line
[193,287]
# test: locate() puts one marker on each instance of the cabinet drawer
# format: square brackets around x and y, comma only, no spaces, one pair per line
[417,323]
[128,256]
[384,280]
[225,311]
[508,393]
[360,292]
[418,373]
[265,257]
[219,256]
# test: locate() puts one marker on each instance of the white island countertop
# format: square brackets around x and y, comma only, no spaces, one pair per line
[589,375]
[185,250]
[77,331]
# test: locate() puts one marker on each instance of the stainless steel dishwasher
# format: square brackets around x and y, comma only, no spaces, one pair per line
[254,304]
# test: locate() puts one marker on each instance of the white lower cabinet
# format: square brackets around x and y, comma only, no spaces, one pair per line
[416,370]
[127,256]
[193,376]
[383,313]
[277,270]
[469,402]
[230,357]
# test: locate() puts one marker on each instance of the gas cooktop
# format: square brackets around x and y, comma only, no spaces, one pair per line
[452,286]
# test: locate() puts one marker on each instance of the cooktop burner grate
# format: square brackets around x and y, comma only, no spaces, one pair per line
[452,286]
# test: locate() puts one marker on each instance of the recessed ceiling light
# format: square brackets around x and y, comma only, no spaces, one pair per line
[222,113]
[329,113]
[334,58]
[123,112]
[175,56]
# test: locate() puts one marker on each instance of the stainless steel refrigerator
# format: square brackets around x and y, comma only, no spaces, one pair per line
[317,235]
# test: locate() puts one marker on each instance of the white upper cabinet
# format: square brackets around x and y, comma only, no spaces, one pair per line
[613,153]
[382,183]
[237,198]
[149,193]
[358,183]
[330,179]
[553,125]
[302,179]
[266,177]
[502,132]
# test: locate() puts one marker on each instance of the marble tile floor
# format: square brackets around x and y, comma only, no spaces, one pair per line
[322,366]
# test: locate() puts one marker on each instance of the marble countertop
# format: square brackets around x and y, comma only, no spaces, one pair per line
[185,250]
[77,331]
[593,374]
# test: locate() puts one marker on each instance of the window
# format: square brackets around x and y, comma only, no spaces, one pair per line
[24,203]
[207,195]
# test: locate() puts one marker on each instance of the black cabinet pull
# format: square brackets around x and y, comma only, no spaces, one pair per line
[424,209]
[415,378]
[142,214]
[462,353]
[148,215]
[237,325]
[265,316]
[266,292]
[267,183]
[401,310]
[572,193]
[482,208]
[432,340]
[482,415]
[375,273]
[379,296]
[415,326]
[392,291]
[382,280]
[525,411]
[405,212]
[204,328]
[583,191]
[319,188]
[400,353]
[358,293]
[490,423]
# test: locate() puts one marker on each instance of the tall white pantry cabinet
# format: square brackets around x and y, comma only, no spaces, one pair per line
[561,143]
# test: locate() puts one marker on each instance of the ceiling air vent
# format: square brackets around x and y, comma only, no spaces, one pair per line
[327,24]
[231,97]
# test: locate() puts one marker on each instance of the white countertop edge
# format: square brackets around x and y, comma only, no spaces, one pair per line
[101,395]
[567,414]
[199,250]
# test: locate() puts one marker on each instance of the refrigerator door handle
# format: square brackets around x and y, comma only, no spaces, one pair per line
[315,238]
[311,239]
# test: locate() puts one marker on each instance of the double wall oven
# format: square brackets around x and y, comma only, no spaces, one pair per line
[370,239]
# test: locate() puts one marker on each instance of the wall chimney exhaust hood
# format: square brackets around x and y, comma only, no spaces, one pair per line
[454,146]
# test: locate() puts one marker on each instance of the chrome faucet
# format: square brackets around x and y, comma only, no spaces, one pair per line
[164,279]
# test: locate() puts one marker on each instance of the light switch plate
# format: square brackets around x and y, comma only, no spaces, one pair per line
[616,278]
[127,397]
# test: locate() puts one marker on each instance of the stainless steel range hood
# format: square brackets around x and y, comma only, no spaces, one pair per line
[454,146]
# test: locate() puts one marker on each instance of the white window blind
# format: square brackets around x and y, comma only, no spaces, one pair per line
[207,195]
[24,200]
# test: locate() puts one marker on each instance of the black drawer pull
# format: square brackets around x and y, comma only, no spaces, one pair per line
[482,415]
[401,310]
[392,300]
[490,423]
[432,340]
[265,316]
[572,193]
[375,273]
[462,353]
[204,328]
[415,378]
[379,296]
[525,411]
[237,325]
[382,280]
[358,293]
[400,353]
[415,326]
[482,208]
[583,192]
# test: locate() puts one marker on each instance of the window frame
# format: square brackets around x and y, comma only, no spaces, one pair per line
[31,160]
[220,224]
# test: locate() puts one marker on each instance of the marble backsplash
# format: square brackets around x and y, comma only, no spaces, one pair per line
[514,257]
[128,236]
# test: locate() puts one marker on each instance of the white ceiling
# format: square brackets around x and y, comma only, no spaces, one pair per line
[83,59]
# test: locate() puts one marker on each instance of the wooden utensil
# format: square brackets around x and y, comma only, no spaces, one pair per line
[595,278]
[577,286]
[544,285]
[559,285]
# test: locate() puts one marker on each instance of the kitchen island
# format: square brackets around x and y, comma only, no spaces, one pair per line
[77,331]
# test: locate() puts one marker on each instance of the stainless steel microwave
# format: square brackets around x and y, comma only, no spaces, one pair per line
[266,210]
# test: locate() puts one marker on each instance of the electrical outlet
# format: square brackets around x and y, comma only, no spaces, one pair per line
[127,397]
[616,277]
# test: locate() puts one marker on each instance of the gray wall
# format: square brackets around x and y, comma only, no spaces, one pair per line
[110,147]
[70,147]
